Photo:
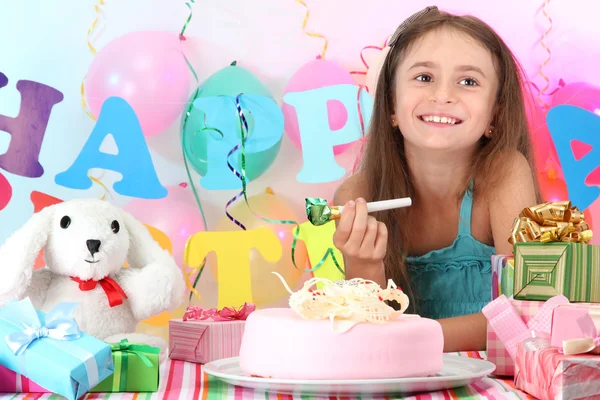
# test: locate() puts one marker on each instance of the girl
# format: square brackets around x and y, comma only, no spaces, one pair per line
[449,129]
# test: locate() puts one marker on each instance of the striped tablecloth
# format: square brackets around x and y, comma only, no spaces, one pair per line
[186,381]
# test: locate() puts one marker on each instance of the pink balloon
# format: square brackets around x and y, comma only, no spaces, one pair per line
[177,215]
[578,94]
[314,75]
[148,70]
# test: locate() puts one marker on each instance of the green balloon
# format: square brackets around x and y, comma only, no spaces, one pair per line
[229,81]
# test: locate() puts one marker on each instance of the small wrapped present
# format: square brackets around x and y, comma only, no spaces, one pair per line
[544,270]
[51,350]
[136,369]
[510,322]
[551,254]
[503,275]
[576,328]
[206,335]
[12,382]
[543,372]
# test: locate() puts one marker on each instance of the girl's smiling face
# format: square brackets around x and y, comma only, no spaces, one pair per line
[446,89]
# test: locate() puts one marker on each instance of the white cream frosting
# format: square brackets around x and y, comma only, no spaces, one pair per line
[346,303]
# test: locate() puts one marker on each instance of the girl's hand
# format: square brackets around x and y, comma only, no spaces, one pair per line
[360,238]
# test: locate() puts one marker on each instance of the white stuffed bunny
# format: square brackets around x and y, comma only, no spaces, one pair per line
[86,244]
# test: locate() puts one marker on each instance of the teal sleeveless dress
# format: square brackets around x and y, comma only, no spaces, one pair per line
[455,280]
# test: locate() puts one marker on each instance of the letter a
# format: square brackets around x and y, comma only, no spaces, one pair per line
[132,160]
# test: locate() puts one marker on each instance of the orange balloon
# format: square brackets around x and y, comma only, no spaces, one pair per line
[161,238]
[553,189]
[266,287]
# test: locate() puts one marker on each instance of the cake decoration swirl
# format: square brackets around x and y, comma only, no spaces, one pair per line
[346,302]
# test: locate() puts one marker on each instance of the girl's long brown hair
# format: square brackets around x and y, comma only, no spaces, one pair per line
[384,165]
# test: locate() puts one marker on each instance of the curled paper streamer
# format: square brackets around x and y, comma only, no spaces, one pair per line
[547,60]
[362,124]
[353,301]
[550,222]
[362,58]
[305,21]
[189,272]
[103,186]
[243,193]
[93,50]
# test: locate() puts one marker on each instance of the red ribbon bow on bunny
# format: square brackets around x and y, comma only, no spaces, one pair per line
[195,313]
[113,291]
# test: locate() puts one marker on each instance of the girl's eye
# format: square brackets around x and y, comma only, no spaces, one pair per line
[469,82]
[423,78]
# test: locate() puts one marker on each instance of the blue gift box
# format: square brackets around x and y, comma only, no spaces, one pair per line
[51,350]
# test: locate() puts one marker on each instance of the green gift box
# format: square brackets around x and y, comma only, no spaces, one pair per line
[135,369]
[544,270]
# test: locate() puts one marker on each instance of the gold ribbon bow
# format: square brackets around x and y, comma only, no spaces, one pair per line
[550,222]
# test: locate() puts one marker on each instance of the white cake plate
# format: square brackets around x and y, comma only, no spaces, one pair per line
[457,371]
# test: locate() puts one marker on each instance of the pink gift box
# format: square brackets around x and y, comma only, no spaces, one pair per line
[565,325]
[496,352]
[518,320]
[545,373]
[204,341]
[11,382]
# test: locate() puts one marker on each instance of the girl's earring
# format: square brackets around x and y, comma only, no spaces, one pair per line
[489,132]
[394,121]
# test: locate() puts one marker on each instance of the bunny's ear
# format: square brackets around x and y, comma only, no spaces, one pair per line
[18,254]
[143,249]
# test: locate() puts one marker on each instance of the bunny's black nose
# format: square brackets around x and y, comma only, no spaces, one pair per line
[93,245]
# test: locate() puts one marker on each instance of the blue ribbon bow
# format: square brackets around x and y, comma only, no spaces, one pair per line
[59,324]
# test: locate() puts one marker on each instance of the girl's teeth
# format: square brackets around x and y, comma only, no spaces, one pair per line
[438,119]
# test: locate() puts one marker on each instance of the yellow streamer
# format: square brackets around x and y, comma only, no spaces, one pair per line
[93,50]
[106,191]
[547,60]
[312,34]
[189,272]
[83,102]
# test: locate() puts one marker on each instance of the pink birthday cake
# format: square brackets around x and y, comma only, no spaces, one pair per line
[345,330]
